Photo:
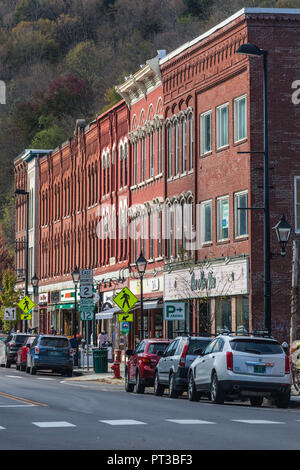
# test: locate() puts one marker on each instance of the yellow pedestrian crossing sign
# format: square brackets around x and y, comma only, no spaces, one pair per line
[26,316]
[26,305]
[125,299]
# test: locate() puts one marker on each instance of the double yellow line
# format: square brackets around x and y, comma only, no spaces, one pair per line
[23,400]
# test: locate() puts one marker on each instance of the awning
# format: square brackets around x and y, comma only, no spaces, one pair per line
[64,306]
[152,304]
[107,313]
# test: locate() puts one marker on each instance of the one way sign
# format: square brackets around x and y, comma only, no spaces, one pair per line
[174,311]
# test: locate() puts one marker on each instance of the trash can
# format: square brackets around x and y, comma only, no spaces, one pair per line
[100,361]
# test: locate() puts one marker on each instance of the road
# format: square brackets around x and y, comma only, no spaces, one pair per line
[47,411]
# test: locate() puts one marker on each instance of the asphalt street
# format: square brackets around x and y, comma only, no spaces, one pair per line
[47,411]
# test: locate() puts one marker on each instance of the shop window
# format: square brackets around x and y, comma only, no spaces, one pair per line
[242,314]
[223,314]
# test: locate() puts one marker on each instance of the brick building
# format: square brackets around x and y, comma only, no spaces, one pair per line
[164,162]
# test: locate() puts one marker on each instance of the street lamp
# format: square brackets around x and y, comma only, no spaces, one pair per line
[34,281]
[22,192]
[283,232]
[141,264]
[254,51]
[75,277]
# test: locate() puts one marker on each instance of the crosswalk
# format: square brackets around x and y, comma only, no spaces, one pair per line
[133,422]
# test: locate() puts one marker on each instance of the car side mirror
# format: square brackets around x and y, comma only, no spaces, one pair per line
[129,352]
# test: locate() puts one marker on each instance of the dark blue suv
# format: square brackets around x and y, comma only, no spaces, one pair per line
[50,352]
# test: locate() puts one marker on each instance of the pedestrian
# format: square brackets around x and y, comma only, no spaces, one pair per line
[52,330]
[103,338]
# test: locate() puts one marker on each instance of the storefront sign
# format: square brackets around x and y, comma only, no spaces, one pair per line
[43,298]
[211,280]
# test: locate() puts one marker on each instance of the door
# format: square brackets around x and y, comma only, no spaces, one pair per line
[164,363]
[202,367]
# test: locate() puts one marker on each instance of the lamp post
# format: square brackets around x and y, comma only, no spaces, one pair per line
[283,232]
[35,284]
[75,277]
[254,51]
[141,264]
[22,192]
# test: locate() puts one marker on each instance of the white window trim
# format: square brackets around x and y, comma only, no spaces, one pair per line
[218,110]
[236,118]
[202,219]
[219,199]
[202,133]
[236,211]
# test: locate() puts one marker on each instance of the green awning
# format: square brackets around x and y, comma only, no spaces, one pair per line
[65,306]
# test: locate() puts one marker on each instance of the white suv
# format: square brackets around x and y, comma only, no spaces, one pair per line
[241,366]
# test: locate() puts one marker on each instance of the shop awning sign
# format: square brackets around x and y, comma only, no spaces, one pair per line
[174,311]
[125,299]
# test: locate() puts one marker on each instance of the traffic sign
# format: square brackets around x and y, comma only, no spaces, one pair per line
[125,317]
[125,299]
[87,305]
[86,315]
[86,291]
[174,311]
[125,327]
[26,304]
[10,313]
[26,316]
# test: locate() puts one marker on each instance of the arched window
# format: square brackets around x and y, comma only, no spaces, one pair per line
[191,141]
[170,150]
[184,145]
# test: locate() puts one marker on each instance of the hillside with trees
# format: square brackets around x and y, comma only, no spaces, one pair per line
[60,58]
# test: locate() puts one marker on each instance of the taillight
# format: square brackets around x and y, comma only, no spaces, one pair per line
[71,352]
[11,344]
[229,360]
[183,355]
[36,349]
[287,365]
[145,360]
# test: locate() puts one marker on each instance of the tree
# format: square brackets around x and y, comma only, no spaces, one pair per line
[9,297]
[5,257]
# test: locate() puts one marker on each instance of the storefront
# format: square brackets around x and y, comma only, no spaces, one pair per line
[216,296]
[44,319]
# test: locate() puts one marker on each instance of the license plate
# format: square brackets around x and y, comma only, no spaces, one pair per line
[259,369]
[53,353]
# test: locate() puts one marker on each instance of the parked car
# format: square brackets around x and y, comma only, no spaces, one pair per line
[141,364]
[242,366]
[2,354]
[22,353]
[13,343]
[172,369]
[50,352]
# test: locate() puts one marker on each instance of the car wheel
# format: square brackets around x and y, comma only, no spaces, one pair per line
[139,388]
[17,367]
[23,368]
[173,393]
[217,394]
[256,401]
[192,392]
[128,387]
[7,364]
[69,373]
[283,399]
[158,388]
[32,370]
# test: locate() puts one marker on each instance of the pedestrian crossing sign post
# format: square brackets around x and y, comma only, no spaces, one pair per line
[26,305]
[125,300]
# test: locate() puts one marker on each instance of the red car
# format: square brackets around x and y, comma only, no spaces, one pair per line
[22,353]
[140,368]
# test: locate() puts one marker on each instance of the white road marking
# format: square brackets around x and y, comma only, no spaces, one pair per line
[54,424]
[1,427]
[44,378]
[121,422]
[15,376]
[189,421]
[256,421]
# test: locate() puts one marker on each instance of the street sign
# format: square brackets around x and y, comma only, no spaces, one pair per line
[125,317]
[125,299]
[125,327]
[10,313]
[174,311]
[26,304]
[26,316]
[87,305]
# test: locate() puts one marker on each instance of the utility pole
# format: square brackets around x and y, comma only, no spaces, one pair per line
[294,292]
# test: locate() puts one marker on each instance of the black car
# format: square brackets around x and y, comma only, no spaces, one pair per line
[13,343]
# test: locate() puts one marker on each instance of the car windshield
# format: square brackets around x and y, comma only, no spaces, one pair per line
[20,339]
[256,346]
[55,342]
[155,347]
[197,344]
